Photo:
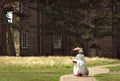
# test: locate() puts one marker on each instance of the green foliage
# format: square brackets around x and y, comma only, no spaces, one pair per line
[107,18]
[64,16]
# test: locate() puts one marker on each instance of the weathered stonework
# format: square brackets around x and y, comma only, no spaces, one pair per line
[103,47]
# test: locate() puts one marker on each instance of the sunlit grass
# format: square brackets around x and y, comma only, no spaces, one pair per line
[35,63]
[38,68]
[52,61]
[47,63]
[28,61]
[97,61]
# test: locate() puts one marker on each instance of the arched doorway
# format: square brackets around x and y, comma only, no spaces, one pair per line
[93,50]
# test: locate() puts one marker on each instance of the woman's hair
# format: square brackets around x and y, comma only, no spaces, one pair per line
[80,51]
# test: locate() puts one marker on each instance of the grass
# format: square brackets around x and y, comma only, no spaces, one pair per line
[29,76]
[42,68]
[108,77]
[114,69]
[96,61]
[34,68]
[114,75]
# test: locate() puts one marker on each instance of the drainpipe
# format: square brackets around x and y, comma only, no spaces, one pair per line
[38,29]
[113,30]
[40,35]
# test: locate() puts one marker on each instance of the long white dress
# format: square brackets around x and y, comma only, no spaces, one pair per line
[80,65]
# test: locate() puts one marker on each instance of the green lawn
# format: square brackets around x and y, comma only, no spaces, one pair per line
[30,76]
[108,77]
[42,68]
[34,68]
[35,73]
[114,69]
[113,75]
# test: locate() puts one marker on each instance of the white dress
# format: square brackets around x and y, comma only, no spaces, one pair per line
[80,65]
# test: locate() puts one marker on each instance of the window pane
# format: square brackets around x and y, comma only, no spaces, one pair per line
[24,40]
[57,41]
[24,7]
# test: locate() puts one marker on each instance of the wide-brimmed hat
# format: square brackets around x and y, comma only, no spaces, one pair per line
[77,49]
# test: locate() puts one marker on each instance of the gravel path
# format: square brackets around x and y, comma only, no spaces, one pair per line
[92,71]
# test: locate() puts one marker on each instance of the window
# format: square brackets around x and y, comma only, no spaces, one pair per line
[24,7]
[57,41]
[24,40]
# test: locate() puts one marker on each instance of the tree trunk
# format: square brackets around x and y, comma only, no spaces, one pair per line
[2,35]
[11,42]
[11,46]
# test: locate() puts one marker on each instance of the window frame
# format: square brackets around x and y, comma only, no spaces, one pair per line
[24,7]
[24,40]
[57,41]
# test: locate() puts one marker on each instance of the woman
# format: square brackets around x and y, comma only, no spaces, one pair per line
[80,67]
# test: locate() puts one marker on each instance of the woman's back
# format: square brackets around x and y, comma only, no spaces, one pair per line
[80,57]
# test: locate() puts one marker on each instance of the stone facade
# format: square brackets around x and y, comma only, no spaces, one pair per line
[99,47]
[45,39]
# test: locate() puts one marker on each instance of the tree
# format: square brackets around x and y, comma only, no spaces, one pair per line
[5,23]
[4,8]
[65,16]
[68,16]
[108,19]
[2,35]
[115,6]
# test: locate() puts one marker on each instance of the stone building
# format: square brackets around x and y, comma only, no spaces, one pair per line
[34,41]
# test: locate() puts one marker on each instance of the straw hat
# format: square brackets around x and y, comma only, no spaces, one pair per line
[78,49]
